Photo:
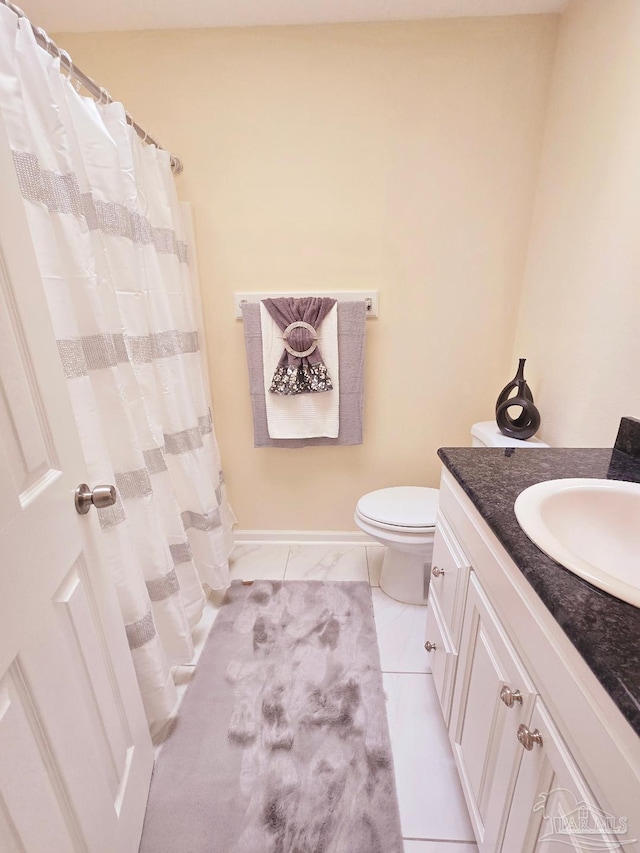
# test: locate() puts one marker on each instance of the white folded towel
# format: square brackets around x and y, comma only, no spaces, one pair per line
[301,415]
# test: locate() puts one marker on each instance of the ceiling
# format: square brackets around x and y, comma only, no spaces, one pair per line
[100,16]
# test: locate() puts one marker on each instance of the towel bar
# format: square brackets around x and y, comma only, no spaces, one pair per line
[370,297]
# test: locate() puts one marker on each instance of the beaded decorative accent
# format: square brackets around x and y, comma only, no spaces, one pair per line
[305,379]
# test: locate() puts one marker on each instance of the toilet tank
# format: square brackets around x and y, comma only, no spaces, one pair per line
[487,434]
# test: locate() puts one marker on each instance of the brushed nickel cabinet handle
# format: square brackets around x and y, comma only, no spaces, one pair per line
[509,697]
[436,572]
[527,737]
[430,647]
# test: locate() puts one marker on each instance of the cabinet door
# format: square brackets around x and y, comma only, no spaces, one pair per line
[442,656]
[553,810]
[449,576]
[485,717]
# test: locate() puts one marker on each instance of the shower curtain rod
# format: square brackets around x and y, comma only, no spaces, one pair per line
[101,95]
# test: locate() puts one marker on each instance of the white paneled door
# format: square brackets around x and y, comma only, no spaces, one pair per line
[75,753]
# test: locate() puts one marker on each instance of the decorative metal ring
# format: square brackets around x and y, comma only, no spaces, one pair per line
[300,324]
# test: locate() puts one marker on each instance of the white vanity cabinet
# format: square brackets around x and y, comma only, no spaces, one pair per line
[493,696]
[534,734]
[447,591]
[550,785]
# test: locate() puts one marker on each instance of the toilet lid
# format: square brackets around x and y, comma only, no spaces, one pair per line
[412,507]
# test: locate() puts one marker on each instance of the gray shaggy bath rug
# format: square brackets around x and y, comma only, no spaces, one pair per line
[281,744]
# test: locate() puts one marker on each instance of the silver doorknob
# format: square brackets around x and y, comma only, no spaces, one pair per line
[509,696]
[527,737]
[436,572]
[99,497]
[430,647]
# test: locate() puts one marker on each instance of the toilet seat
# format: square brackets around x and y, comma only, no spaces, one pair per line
[405,509]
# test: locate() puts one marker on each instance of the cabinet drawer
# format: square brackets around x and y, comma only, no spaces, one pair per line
[442,658]
[449,577]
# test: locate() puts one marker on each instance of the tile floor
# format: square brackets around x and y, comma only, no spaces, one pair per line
[432,808]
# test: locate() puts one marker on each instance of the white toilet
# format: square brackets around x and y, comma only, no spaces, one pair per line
[487,434]
[403,519]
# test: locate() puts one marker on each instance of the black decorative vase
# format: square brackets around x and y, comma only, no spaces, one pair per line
[528,421]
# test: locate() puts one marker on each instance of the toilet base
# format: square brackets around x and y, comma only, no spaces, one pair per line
[405,576]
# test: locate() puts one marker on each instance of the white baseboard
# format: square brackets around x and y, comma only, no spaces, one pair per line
[308,537]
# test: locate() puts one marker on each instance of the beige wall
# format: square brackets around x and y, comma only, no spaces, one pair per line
[401,157]
[580,313]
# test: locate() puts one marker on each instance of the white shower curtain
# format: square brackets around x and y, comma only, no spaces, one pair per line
[108,235]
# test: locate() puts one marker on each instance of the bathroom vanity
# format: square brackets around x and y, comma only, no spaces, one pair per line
[537,671]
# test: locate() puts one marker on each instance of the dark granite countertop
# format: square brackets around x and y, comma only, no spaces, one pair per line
[605,630]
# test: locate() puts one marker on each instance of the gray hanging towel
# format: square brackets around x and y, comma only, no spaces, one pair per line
[301,369]
[351,344]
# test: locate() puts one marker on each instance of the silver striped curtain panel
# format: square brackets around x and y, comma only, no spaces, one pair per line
[110,241]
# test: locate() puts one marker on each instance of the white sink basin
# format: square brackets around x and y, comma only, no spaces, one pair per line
[591,527]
